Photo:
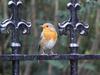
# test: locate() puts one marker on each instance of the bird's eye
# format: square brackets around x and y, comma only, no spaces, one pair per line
[47,26]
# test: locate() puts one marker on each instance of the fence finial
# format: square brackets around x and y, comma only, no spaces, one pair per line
[16,25]
[73,26]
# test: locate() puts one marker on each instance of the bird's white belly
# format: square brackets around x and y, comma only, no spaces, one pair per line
[50,44]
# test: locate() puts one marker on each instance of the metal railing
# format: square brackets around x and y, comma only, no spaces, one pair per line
[17,25]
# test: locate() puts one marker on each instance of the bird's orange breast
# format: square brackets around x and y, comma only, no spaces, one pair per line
[49,34]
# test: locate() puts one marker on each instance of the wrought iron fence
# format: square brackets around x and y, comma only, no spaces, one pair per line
[17,25]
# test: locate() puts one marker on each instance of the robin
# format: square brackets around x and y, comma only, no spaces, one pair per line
[48,38]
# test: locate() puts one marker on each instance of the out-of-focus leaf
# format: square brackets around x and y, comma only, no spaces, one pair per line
[88,52]
[56,63]
[88,66]
[63,40]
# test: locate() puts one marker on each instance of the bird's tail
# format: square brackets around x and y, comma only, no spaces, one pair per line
[38,52]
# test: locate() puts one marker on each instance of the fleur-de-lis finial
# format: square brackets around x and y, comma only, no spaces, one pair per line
[73,22]
[74,27]
[20,24]
[17,26]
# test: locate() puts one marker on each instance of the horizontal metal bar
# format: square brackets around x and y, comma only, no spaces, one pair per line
[48,57]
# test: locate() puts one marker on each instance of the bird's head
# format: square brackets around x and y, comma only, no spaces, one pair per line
[48,26]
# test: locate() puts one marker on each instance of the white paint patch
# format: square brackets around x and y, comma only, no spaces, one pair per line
[14,44]
[10,2]
[50,44]
[73,45]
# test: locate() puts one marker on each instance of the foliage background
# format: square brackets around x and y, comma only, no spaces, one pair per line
[54,11]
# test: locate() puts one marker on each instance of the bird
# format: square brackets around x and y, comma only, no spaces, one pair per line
[48,38]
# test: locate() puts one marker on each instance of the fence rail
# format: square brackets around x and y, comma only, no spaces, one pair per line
[23,57]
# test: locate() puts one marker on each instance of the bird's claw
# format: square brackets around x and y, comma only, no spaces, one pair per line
[52,53]
[44,53]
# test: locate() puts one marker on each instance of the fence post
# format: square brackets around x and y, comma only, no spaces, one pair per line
[73,37]
[15,44]
[17,26]
[73,26]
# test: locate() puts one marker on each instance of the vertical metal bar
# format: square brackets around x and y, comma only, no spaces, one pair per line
[17,26]
[74,27]
[73,40]
[73,67]
[15,63]
[15,39]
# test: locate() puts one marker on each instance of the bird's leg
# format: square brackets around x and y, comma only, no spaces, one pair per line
[43,52]
[52,53]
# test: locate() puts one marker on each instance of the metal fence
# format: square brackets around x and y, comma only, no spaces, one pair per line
[17,25]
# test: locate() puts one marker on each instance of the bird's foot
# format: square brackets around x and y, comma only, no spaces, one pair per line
[52,53]
[43,53]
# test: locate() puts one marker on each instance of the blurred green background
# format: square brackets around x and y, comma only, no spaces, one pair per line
[53,11]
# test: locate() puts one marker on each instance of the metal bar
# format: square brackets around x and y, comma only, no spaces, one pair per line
[73,26]
[73,39]
[74,67]
[17,26]
[15,39]
[23,57]
[15,63]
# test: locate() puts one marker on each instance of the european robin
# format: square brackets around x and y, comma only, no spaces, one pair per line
[48,38]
